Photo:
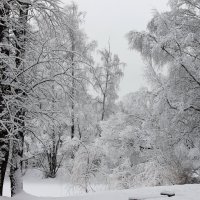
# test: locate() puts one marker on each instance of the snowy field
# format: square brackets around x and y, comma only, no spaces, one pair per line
[35,184]
[37,188]
[185,192]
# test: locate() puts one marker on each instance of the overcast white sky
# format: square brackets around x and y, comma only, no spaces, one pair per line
[113,19]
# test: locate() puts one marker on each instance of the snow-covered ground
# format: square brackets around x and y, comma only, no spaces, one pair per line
[37,188]
[185,192]
[35,184]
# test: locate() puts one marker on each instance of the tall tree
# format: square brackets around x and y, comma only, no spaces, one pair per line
[16,81]
[17,142]
[172,42]
[4,89]
[107,77]
[60,81]
[79,58]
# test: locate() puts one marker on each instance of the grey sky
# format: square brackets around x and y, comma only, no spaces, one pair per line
[113,19]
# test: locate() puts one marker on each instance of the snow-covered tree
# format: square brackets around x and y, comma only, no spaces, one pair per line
[32,63]
[79,58]
[4,53]
[128,142]
[107,76]
[171,49]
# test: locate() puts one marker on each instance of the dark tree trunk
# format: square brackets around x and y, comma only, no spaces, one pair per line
[17,144]
[103,107]
[104,97]
[52,157]
[16,167]
[52,160]
[4,90]
[73,84]
[3,159]
[73,91]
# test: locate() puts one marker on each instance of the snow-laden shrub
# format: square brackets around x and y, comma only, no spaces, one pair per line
[121,176]
[147,172]
[188,163]
[87,163]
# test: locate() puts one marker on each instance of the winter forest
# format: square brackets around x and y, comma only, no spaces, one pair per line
[61,117]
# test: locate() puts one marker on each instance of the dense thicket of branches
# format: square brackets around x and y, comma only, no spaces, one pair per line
[170,48]
[58,106]
[47,112]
